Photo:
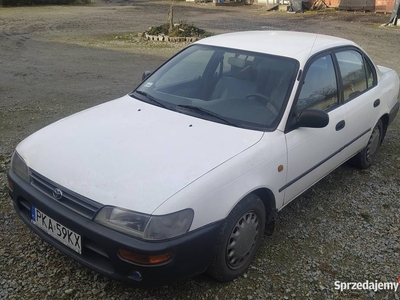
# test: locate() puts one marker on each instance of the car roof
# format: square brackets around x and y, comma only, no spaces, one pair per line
[298,45]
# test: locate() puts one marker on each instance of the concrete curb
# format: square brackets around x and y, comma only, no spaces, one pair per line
[166,38]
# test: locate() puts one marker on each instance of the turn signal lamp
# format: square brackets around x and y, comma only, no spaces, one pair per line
[145,259]
[10,185]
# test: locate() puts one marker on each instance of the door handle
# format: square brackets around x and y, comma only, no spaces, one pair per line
[377,102]
[340,125]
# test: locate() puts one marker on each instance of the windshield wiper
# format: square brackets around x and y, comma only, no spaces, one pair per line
[205,111]
[151,98]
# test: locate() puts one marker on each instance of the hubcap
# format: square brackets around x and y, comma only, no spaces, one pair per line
[242,240]
[373,144]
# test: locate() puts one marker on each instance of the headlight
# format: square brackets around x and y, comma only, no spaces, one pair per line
[146,226]
[168,226]
[19,167]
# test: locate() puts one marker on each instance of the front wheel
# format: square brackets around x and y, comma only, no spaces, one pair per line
[366,157]
[240,237]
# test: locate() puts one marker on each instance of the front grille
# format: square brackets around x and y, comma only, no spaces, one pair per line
[79,204]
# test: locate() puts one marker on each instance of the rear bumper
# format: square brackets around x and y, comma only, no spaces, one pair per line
[393,112]
[191,253]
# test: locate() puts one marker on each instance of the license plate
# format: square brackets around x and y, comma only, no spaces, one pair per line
[56,230]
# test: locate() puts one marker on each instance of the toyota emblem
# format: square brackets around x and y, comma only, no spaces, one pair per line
[57,193]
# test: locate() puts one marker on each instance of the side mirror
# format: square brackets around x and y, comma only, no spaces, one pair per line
[313,118]
[145,75]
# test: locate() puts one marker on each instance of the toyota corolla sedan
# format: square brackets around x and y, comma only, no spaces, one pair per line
[186,173]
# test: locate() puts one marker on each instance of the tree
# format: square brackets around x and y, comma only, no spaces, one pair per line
[171,17]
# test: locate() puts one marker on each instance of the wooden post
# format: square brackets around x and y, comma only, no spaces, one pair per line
[171,18]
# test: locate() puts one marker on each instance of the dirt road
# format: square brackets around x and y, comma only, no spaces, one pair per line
[55,61]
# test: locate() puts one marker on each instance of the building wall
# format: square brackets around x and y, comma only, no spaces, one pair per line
[384,5]
[357,5]
[380,5]
[332,3]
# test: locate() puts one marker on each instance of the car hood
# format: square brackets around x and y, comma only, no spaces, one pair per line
[131,154]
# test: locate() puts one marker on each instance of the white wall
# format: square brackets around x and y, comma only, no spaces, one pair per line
[273,1]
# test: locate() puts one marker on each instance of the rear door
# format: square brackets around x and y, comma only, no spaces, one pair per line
[360,97]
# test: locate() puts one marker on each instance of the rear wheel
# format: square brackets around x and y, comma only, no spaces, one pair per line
[240,237]
[366,157]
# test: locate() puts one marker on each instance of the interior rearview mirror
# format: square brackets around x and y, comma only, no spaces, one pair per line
[145,75]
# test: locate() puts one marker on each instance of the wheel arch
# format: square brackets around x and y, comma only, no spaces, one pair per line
[385,124]
[268,199]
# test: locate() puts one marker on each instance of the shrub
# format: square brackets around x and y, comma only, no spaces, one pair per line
[40,2]
[182,29]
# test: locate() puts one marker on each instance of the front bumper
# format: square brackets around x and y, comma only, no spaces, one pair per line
[192,252]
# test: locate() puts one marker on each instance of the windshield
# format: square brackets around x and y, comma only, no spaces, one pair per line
[238,88]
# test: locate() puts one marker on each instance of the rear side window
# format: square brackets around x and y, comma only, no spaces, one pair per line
[357,75]
[319,88]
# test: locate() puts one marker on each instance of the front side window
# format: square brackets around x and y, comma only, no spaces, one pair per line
[371,77]
[235,87]
[355,77]
[319,89]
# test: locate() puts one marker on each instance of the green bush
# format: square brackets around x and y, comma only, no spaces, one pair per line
[40,2]
[182,29]
[162,29]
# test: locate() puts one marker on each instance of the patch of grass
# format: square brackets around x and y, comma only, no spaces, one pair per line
[123,37]
[366,216]
[42,2]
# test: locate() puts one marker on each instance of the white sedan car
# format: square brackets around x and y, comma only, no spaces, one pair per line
[186,173]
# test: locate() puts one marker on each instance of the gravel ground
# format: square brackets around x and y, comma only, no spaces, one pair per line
[59,60]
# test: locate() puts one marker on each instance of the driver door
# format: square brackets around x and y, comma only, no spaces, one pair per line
[314,152]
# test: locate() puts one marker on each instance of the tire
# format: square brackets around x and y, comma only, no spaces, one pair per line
[366,157]
[239,239]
